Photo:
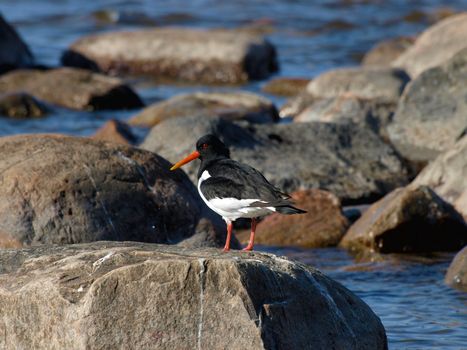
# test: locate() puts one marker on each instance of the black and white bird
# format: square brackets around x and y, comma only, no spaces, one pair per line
[234,190]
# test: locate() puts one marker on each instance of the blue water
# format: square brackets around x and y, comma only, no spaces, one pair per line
[417,309]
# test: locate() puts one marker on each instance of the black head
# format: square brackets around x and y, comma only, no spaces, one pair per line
[209,146]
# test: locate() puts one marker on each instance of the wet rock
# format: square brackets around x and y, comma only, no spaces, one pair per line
[350,161]
[447,176]
[407,220]
[116,131]
[14,53]
[366,83]
[20,105]
[432,112]
[373,113]
[322,226]
[146,296]
[387,51]
[207,56]
[230,105]
[72,88]
[59,189]
[435,45]
[285,86]
[456,275]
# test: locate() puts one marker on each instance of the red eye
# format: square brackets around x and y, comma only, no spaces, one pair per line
[204,145]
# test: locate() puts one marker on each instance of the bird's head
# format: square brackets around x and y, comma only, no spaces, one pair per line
[207,147]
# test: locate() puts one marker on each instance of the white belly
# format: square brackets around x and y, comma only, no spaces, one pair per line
[232,208]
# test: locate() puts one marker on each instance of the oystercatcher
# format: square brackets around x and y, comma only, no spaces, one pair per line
[234,190]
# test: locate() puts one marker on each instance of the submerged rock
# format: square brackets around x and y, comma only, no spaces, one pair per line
[407,220]
[432,112]
[322,226]
[435,45]
[20,105]
[58,189]
[14,53]
[229,105]
[208,56]
[145,296]
[387,51]
[447,176]
[350,161]
[285,86]
[115,131]
[456,276]
[72,88]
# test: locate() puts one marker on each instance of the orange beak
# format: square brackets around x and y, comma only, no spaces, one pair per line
[188,159]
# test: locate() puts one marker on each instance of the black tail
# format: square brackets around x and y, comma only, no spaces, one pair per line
[288,210]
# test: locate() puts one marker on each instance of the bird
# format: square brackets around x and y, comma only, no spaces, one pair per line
[235,190]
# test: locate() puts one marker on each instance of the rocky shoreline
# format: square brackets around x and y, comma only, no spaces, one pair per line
[390,134]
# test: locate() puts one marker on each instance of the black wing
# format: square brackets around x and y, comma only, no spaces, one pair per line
[233,179]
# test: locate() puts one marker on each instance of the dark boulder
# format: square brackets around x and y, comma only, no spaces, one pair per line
[59,189]
[350,161]
[72,88]
[407,220]
[432,113]
[21,105]
[14,53]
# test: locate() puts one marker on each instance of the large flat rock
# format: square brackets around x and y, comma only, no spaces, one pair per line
[350,161]
[143,296]
[435,45]
[60,189]
[432,113]
[72,88]
[208,56]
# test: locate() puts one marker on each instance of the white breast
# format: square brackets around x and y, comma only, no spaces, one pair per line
[232,208]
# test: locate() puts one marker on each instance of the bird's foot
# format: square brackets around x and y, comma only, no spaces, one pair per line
[226,249]
[248,248]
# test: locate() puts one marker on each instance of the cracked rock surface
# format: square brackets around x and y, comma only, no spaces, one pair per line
[108,295]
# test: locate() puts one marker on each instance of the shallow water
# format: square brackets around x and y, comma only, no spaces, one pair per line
[417,309]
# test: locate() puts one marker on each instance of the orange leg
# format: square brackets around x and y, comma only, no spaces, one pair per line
[251,243]
[229,236]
